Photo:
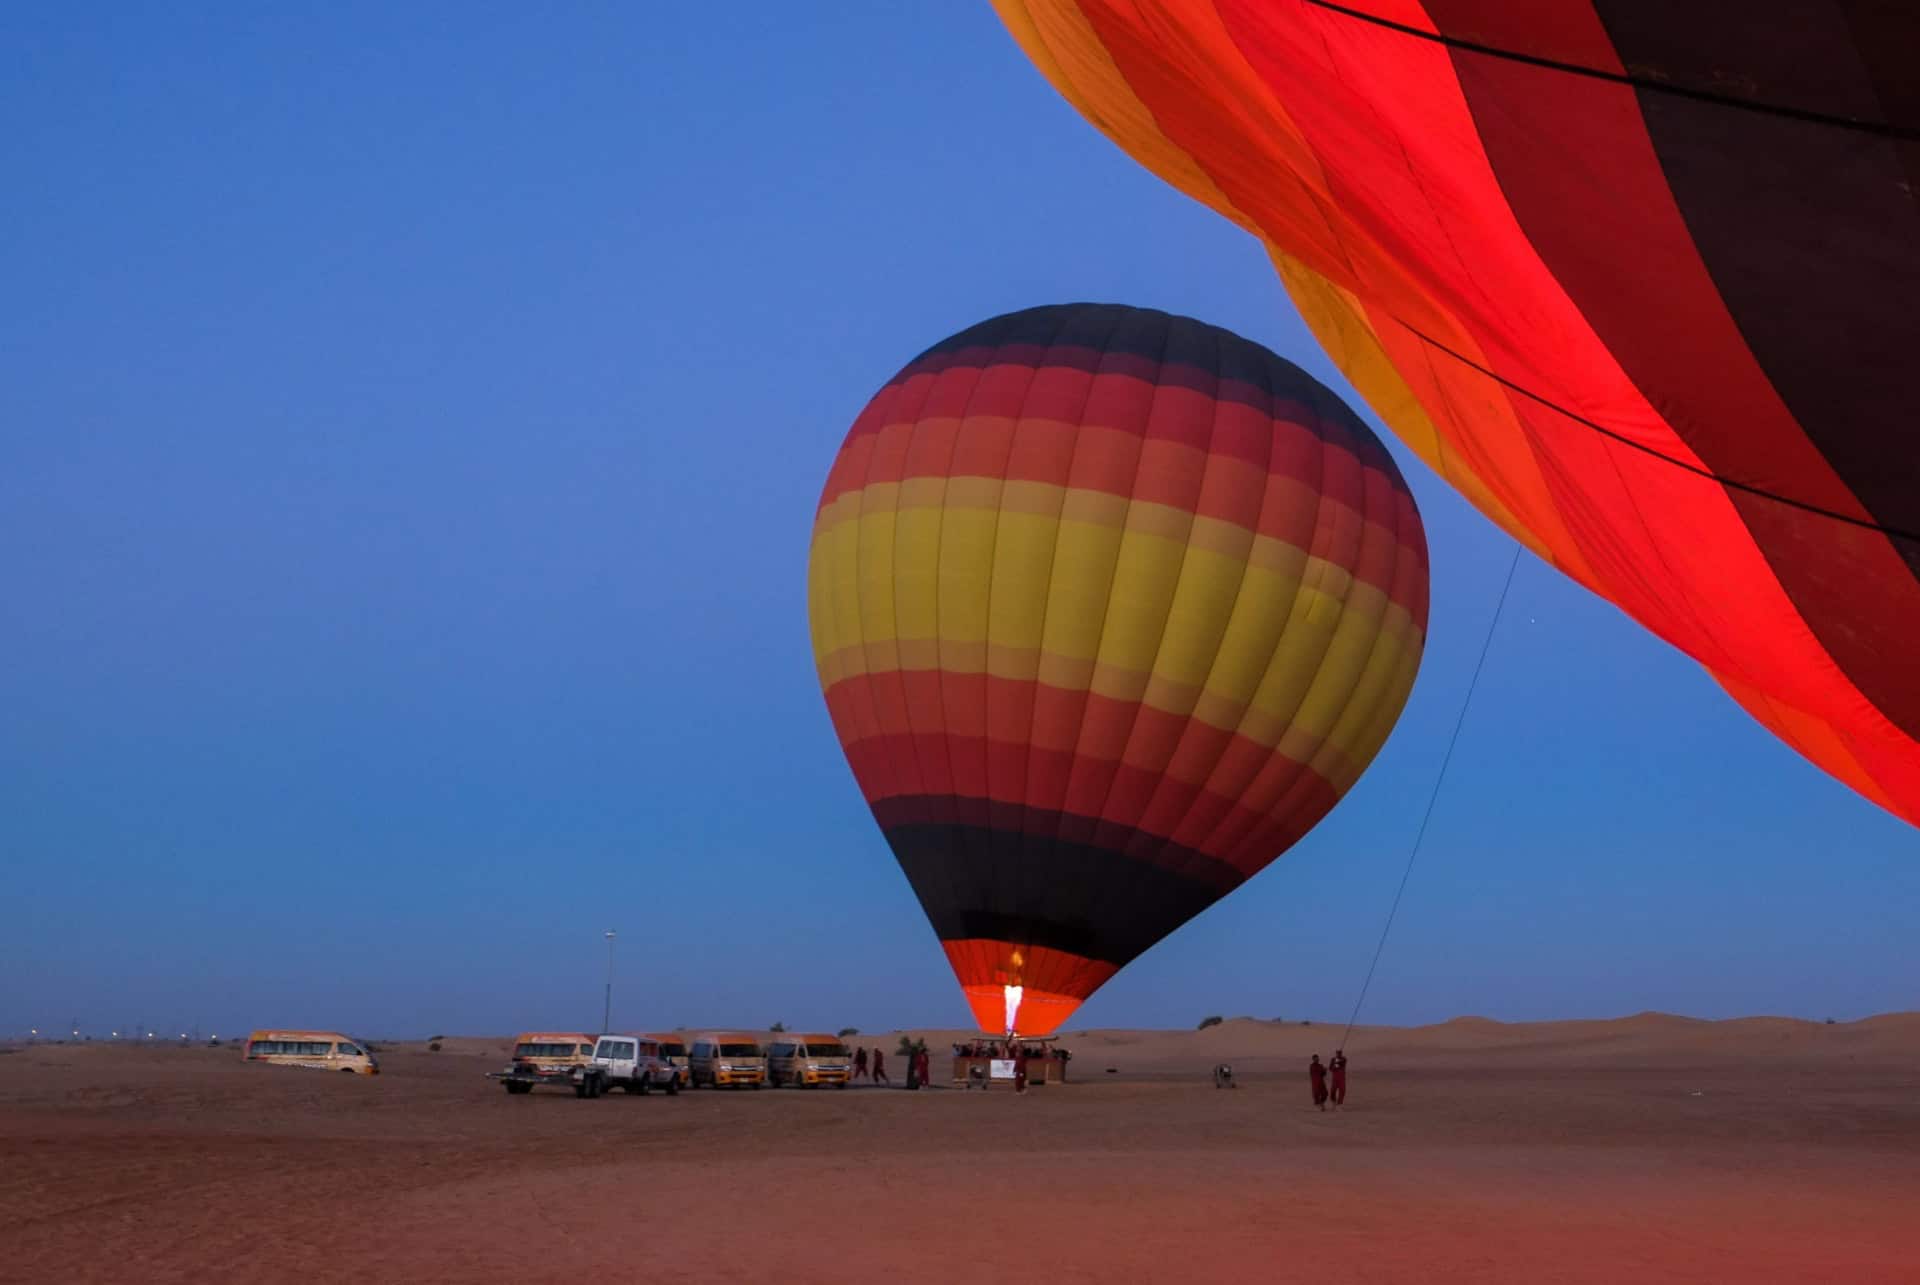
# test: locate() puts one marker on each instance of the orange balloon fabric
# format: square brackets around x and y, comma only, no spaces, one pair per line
[1109,608]
[1637,278]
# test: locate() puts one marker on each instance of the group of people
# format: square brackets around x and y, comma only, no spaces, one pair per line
[1329,1081]
[919,1067]
[1012,1049]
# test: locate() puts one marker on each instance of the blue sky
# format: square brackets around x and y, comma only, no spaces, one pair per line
[410,426]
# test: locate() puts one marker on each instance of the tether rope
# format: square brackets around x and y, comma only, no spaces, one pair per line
[1438,781]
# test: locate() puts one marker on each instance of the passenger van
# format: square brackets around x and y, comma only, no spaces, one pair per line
[727,1061]
[673,1050]
[549,1052]
[314,1050]
[808,1060]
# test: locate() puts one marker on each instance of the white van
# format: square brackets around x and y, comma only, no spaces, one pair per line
[633,1062]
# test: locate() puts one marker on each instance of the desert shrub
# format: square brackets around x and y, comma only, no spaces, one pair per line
[1205,1022]
[848,1030]
[433,1046]
[777,1027]
[908,1046]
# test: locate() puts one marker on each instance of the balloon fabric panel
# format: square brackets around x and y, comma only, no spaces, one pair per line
[1635,278]
[1109,608]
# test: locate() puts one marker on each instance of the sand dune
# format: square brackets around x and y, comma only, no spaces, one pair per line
[1652,1148]
[1643,1039]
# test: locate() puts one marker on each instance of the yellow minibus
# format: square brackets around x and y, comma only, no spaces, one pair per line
[314,1050]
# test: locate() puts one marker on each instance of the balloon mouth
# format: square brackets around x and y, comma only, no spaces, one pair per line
[1017,987]
[1034,1014]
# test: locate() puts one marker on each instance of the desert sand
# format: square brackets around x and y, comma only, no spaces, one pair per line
[1647,1149]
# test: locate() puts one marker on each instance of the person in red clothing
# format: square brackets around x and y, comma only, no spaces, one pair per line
[1338,1074]
[880,1068]
[924,1061]
[1317,1076]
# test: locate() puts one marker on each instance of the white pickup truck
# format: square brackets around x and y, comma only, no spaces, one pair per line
[633,1063]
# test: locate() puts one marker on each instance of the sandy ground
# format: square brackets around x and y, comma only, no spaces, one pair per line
[1650,1149]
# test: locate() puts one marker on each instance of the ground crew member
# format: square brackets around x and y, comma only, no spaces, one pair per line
[1317,1076]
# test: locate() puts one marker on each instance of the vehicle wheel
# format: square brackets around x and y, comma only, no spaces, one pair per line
[580,1089]
[673,1087]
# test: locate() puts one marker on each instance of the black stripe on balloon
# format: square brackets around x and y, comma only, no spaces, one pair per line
[976,882]
[1160,348]
[1706,83]
[1813,241]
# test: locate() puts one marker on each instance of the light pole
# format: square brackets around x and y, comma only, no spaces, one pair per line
[606,1014]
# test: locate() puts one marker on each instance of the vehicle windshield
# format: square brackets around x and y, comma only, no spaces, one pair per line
[740,1050]
[547,1050]
[826,1050]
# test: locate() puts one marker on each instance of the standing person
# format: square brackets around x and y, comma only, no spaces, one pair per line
[1339,1068]
[880,1068]
[1065,1057]
[1019,1074]
[923,1060]
[859,1063]
[1317,1076]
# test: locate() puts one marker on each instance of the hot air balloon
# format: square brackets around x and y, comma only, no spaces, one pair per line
[1637,278]
[1109,608]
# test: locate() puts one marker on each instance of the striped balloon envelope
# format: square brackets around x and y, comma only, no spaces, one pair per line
[1110,607]
[1636,277]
